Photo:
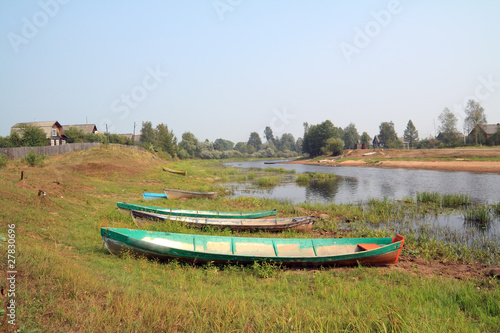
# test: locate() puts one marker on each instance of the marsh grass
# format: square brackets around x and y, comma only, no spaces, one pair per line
[428,197]
[279,170]
[480,214]
[444,200]
[68,283]
[316,176]
[455,200]
[267,181]
[496,208]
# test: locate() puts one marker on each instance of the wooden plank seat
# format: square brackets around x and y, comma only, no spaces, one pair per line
[368,246]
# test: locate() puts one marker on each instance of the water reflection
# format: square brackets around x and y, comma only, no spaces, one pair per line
[354,184]
[326,189]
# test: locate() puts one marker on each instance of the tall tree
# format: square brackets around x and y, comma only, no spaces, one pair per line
[268,134]
[475,117]
[254,141]
[148,133]
[448,132]
[388,135]
[298,145]
[75,134]
[410,134]
[365,138]
[315,137]
[32,136]
[287,142]
[350,136]
[166,140]
[223,145]
[190,144]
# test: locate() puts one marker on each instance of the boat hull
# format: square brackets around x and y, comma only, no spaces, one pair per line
[184,173]
[127,207]
[302,224]
[174,194]
[244,250]
[153,196]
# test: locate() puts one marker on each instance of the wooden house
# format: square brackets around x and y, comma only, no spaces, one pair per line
[485,131]
[376,142]
[53,130]
[86,128]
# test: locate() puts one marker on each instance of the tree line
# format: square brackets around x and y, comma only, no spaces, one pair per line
[324,138]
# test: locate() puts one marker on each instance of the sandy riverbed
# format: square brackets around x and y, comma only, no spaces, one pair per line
[432,159]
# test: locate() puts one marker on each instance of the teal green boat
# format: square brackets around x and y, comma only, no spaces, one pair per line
[246,250]
[196,213]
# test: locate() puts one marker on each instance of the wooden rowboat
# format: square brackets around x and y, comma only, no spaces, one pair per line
[176,171]
[196,213]
[303,223]
[151,196]
[244,250]
[173,194]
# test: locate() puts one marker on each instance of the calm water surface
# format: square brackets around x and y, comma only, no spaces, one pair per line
[355,184]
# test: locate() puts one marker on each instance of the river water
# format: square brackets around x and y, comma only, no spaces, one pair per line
[358,184]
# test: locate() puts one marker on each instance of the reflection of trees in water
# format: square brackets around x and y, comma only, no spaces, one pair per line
[327,189]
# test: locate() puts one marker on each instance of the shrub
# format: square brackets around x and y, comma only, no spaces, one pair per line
[333,146]
[33,159]
[3,160]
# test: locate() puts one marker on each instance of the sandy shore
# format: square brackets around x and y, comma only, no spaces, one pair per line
[435,159]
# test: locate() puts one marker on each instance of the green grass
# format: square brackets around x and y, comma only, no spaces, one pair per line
[267,181]
[317,176]
[444,200]
[69,283]
[480,214]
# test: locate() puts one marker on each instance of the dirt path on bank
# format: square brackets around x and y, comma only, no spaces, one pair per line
[431,159]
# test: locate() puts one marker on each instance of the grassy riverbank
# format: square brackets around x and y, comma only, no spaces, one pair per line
[67,282]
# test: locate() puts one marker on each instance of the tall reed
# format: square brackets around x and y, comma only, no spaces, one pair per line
[480,214]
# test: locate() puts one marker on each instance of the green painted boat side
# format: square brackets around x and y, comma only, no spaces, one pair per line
[301,223]
[197,213]
[244,250]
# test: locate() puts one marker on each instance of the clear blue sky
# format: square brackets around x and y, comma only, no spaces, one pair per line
[225,68]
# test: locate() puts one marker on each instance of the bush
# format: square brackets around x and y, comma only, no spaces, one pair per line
[3,160]
[33,159]
[333,146]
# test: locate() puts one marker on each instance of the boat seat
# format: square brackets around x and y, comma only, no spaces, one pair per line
[368,246]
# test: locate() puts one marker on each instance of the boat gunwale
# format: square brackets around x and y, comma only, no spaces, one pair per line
[390,249]
[208,213]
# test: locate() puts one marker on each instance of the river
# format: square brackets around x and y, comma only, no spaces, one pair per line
[358,184]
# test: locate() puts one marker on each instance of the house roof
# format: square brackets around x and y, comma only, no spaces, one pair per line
[133,137]
[490,128]
[86,128]
[46,126]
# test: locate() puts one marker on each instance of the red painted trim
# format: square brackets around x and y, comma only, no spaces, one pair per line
[396,239]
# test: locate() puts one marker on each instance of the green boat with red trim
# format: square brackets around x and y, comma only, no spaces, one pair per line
[246,250]
[128,207]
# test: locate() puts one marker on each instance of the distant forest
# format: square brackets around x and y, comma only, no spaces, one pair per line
[320,139]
